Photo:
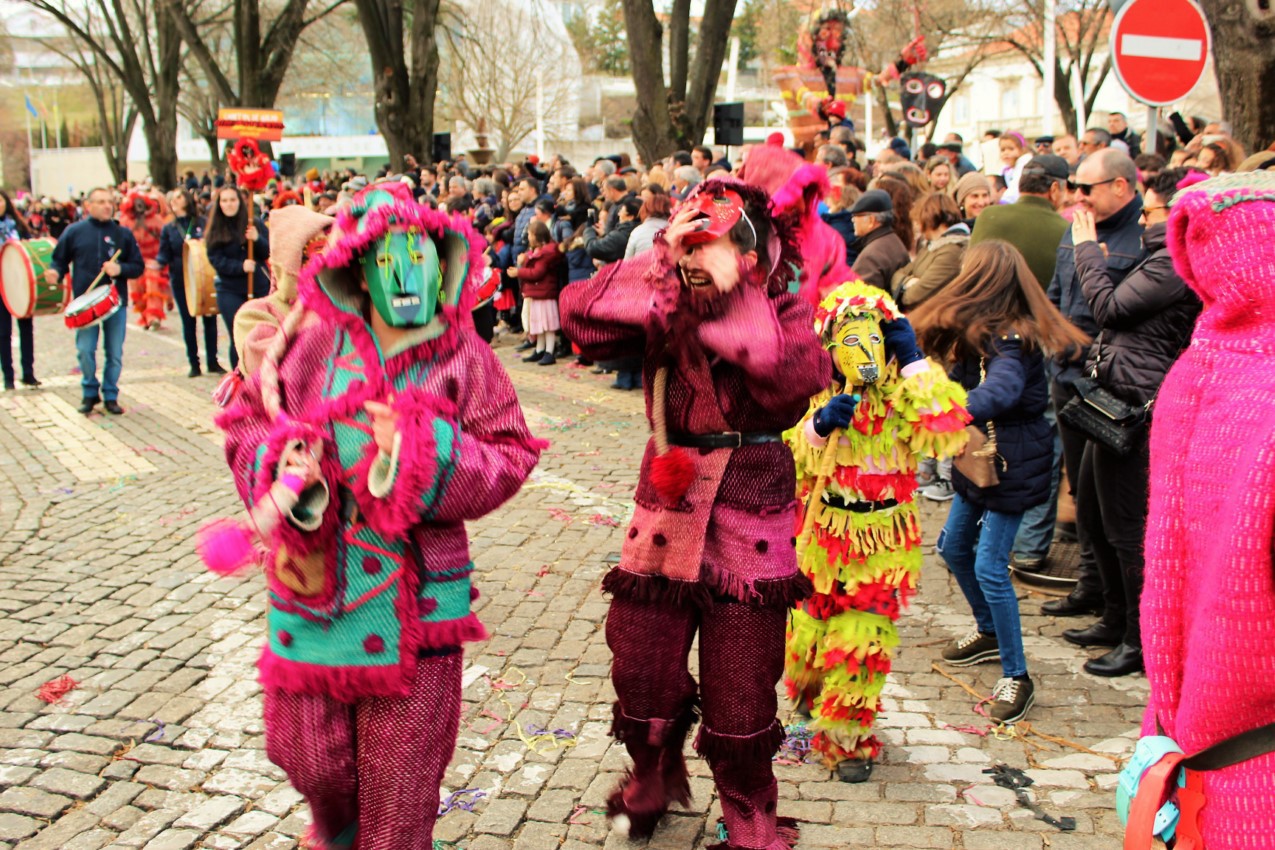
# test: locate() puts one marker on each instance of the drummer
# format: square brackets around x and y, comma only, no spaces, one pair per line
[227,238]
[14,226]
[85,250]
[186,225]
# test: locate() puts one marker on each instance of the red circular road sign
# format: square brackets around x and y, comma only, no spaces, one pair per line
[1159,49]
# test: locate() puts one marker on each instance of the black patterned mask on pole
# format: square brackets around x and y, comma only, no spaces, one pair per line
[922,97]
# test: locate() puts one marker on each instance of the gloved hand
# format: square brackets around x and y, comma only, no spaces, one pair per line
[837,413]
[900,342]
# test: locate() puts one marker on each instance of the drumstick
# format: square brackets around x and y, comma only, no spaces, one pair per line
[98,279]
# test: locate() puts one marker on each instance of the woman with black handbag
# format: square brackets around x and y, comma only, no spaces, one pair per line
[1145,321]
[993,325]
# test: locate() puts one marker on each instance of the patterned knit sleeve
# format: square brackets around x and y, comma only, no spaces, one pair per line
[773,342]
[456,460]
[608,314]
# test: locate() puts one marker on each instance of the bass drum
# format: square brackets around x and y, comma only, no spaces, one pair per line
[201,279]
[25,291]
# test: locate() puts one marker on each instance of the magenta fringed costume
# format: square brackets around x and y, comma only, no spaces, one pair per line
[720,559]
[369,579]
[1208,606]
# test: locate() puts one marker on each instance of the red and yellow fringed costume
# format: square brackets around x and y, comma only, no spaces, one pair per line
[860,538]
[150,293]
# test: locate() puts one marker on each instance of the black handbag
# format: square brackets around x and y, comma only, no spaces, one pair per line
[1103,418]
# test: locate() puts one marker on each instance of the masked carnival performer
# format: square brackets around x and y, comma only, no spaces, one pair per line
[145,216]
[860,538]
[361,445]
[729,364]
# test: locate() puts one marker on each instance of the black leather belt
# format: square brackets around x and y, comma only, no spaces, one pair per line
[729,440]
[833,501]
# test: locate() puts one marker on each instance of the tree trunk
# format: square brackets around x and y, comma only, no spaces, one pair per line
[422,90]
[214,152]
[679,50]
[166,87]
[1244,60]
[662,122]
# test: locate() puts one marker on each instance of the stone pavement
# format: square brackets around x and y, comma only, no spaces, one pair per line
[160,747]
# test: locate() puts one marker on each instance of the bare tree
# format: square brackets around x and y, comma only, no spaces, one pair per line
[261,60]
[1244,59]
[136,44]
[1083,28]
[497,53]
[404,79]
[674,114]
[116,115]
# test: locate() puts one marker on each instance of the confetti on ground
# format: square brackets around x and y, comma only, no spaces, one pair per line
[604,520]
[796,744]
[158,734]
[54,690]
[464,800]
[575,816]
[561,515]
[968,730]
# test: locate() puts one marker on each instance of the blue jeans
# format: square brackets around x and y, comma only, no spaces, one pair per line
[112,331]
[1036,534]
[228,304]
[980,563]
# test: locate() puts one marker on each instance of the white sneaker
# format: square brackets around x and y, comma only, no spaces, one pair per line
[940,491]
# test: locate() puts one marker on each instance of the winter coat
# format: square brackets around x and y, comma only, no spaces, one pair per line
[579,264]
[1146,319]
[881,254]
[1014,397]
[1122,234]
[1031,225]
[227,260]
[643,235]
[843,223]
[538,274]
[87,244]
[611,247]
[935,266]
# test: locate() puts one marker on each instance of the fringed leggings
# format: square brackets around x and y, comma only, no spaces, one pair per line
[741,657]
[370,770]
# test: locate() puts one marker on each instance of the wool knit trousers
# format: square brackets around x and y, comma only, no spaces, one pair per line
[370,770]
[741,655]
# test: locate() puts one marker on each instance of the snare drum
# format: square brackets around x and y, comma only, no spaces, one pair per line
[25,291]
[201,296]
[96,305]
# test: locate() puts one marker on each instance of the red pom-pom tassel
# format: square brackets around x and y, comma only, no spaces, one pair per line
[226,547]
[672,474]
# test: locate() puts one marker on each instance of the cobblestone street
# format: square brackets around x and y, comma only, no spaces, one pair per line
[161,746]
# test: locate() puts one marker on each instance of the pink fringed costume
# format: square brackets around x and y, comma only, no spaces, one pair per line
[369,575]
[1208,605]
[717,558]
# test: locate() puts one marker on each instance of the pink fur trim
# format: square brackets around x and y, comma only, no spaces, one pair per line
[226,547]
[468,629]
[400,510]
[805,187]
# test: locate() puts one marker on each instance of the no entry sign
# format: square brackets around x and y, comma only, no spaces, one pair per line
[1159,49]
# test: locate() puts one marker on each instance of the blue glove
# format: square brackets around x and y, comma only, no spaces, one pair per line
[900,342]
[837,413]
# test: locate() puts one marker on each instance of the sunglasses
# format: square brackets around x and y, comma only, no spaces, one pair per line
[1087,188]
[1146,211]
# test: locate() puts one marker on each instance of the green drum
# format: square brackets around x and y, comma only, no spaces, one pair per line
[26,293]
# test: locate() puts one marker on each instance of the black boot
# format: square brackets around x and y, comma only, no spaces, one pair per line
[1100,633]
[1121,661]
[1072,605]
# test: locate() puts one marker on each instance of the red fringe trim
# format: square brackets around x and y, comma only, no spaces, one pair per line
[759,746]
[344,684]
[449,633]
[780,592]
[631,729]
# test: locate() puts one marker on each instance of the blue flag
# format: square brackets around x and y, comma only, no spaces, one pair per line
[31,108]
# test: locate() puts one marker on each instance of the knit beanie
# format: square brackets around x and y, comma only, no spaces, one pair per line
[1219,239]
[312,174]
[291,229]
[970,183]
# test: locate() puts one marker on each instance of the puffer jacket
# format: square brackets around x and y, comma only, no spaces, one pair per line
[1145,319]
[1014,397]
[1122,234]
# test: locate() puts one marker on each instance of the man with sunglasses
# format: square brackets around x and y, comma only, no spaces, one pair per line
[1106,186]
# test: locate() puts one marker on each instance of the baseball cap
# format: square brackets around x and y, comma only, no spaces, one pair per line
[1051,165]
